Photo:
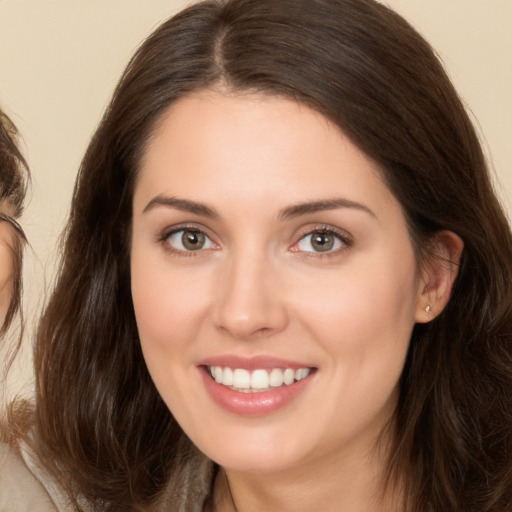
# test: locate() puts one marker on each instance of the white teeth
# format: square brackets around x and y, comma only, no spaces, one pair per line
[276,378]
[289,376]
[301,373]
[227,379]
[259,379]
[241,379]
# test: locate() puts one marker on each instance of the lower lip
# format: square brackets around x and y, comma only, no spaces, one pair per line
[252,404]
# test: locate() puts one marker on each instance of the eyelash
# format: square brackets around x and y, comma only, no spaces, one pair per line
[341,236]
[164,240]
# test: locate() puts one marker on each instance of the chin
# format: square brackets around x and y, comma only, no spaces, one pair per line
[251,450]
[259,462]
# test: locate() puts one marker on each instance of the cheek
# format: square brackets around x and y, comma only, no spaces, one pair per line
[169,303]
[166,307]
[363,317]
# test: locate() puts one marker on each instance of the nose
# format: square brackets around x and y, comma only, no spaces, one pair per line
[250,301]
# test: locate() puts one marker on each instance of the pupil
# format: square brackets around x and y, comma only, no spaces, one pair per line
[192,240]
[322,242]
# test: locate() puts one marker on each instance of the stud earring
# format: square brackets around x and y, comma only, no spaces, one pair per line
[428,309]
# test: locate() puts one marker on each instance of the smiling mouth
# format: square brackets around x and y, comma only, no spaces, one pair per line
[257,381]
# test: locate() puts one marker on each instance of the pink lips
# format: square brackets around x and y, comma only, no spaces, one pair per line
[253,403]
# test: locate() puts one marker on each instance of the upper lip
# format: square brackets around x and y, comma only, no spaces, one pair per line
[252,362]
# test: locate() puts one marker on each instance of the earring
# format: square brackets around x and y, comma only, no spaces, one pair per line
[428,309]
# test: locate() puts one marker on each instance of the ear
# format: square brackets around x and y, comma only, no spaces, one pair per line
[438,274]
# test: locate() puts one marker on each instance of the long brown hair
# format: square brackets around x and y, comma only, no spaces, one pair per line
[102,427]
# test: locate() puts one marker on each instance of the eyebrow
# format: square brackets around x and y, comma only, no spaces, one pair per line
[185,205]
[288,213]
[300,209]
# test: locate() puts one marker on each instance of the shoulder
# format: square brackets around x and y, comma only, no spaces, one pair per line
[20,489]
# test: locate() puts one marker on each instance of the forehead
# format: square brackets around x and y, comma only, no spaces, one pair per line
[234,147]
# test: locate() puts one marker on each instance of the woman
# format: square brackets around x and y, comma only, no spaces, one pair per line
[12,193]
[286,278]
[19,489]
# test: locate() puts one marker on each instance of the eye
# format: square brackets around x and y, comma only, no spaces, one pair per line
[187,240]
[321,241]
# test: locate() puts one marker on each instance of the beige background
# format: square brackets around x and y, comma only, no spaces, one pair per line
[60,60]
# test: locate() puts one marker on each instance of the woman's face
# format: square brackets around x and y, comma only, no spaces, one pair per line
[266,250]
